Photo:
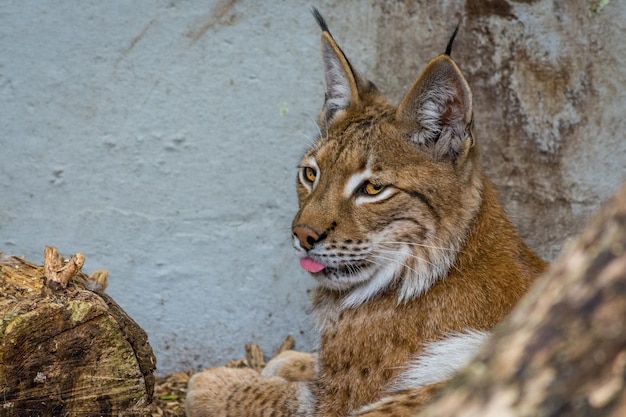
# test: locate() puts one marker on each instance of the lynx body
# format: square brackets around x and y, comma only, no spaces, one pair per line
[414,257]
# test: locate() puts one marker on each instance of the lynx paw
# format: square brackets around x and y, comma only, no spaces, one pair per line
[208,392]
[292,365]
[402,404]
[227,392]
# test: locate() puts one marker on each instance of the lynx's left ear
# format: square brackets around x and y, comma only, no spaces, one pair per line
[344,87]
[438,110]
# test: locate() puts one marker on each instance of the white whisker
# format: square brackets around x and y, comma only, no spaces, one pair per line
[308,141]
[396,261]
[382,265]
[452,265]
[410,255]
[422,245]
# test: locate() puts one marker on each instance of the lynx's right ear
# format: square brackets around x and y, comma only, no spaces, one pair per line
[342,83]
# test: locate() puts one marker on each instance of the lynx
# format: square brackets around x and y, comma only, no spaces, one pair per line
[414,257]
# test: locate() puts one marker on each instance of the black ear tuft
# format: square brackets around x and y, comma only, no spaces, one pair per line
[320,19]
[451,41]
[341,81]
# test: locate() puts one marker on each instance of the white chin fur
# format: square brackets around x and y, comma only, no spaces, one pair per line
[417,277]
[381,279]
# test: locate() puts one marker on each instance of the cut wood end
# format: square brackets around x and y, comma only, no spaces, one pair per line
[287,344]
[254,354]
[238,363]
[98,280]
[57,270]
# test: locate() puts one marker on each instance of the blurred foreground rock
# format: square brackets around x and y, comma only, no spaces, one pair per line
[563,350]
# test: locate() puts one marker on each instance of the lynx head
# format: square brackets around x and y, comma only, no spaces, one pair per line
[387,194]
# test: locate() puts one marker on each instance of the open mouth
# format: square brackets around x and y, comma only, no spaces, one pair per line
[315,267]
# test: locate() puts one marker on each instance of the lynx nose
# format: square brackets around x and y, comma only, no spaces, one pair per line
[306,236]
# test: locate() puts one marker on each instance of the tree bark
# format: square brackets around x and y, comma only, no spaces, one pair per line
[68,351]
[562,352]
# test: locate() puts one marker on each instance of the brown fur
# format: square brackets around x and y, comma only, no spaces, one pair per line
[362,349]
[464,264]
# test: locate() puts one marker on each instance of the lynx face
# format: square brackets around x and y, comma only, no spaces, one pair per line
[375,211]
[386,193]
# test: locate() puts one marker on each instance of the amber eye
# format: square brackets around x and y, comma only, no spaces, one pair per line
[372,189]
[309,174]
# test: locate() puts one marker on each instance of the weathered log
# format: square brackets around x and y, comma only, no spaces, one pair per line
[562,352]
[68,351]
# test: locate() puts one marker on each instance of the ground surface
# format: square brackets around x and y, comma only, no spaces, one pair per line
[169,395]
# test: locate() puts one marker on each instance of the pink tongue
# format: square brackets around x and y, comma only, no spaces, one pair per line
[310,265]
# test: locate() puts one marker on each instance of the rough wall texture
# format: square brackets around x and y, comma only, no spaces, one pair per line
[549,88]
[161,138]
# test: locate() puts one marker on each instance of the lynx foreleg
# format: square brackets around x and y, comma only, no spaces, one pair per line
[401,404]
[226,392]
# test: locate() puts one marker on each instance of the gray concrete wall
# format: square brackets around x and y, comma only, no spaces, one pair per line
[160,138]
